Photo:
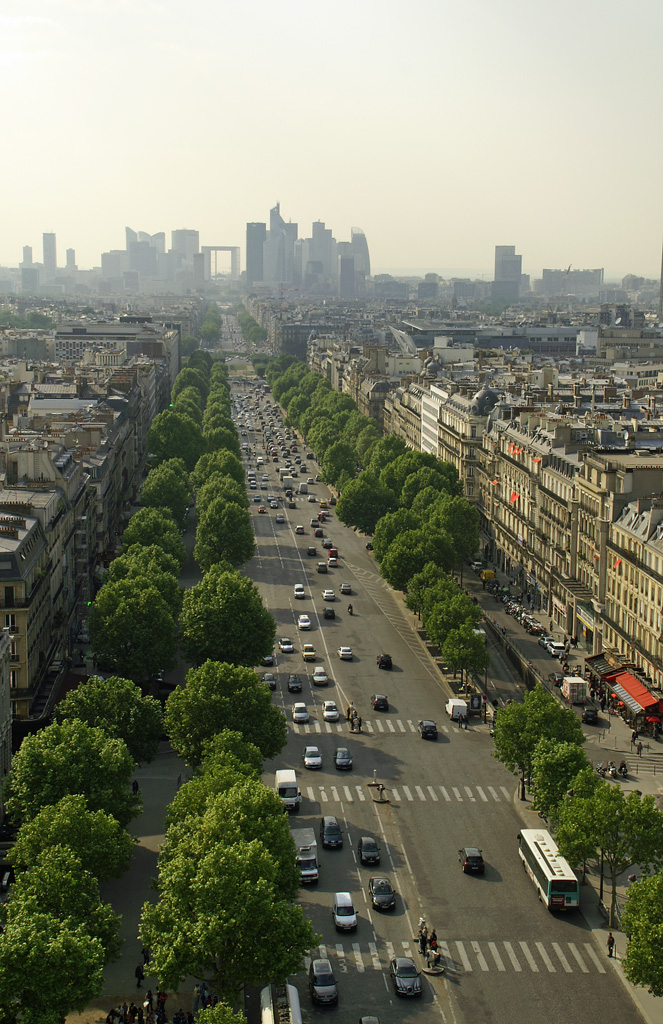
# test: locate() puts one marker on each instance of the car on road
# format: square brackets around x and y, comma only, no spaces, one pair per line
[318,532]
[311,550]
[308,652]
[368,850]
[328,595]
[345,653]
[556,649]
[292,504]
[286,645]
[346,588]
[327,543]
[342,759]
[294,683]
[315,522]
[321,567]
[322,983]
[427,729]
[299,713]
[328,613]
[405,976]
[303,622]
[331,836]
[256,497]
[299,529]
[280,518]
[332,562]
[262,510]
[344,914]
[472,860]
[299,591]
[311,498]
[556,678]
[312,757]
[384,661]
[268,659]
[545,639]
[320,677]
[274,504]
[590,715]
[330,711]
[379,702]
[270,679]
[381,893]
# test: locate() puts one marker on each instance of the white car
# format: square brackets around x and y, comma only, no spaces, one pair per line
[299,713]
[311,498]
[299,591]
[320,677]
[286,645]
[345,653]
[299,529]
[330,711]
[303,622]
[332,561]
[328,595]
[556,649]
[312,757]
[280,518]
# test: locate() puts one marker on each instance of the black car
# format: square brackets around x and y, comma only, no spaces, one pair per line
[294,683]
[590,715]
[342,758]
[331,836]
[405,976]
[329,613]
[321,567]
[384,661]
[472,861]
[382,893]
[318,532]
[379,702]
[427,729]
[368,850]
[311,550]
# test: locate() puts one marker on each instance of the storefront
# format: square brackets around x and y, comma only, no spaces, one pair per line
[639,708]
[585,617]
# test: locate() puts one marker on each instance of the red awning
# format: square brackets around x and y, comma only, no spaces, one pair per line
[631,691]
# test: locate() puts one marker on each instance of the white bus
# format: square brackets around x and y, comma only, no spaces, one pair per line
[552,875]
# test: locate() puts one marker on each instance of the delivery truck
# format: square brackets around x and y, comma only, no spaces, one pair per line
[574,689]
[307,849]
[288,483]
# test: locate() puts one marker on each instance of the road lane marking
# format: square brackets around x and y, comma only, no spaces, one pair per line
[380,726]
[493,793]
[445,794]
[444,949]
[309,793]
[390,950]
[401,726]
[482,794]
[512,956]
[390,725]
[546,959]
[530,959]
[480,957]
[375,959]
[492,946]
[433,794]
[317,727]
[506,792]
[323,951]
[369,727]
[328,727]
[593,957]
[323,795]
[360,793]
[359,963]
[334,792]
[395,795]
[420,792]
[467,966]
[579,960]
[470,794]
[456,793]
[348,794]
[343,967]
[413,727]
[408,794]
[562,959]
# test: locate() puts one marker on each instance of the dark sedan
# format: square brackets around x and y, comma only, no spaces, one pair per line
[381,892]
[472,860]
[342,759]
[384,661]
[379,702]
[428,729]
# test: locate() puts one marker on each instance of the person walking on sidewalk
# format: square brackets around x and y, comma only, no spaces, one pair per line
[610,943]
[140,974]
[639,748]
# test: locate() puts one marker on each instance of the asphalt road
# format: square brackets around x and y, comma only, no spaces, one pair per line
[508,959]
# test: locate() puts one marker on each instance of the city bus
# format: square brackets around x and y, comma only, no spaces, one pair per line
[552,875]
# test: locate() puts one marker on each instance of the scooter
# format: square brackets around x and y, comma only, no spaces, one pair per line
[612,769]
[600,769]
[349,609]
[623,770]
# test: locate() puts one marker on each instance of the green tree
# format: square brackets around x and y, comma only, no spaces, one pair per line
[450,614]
[227,760]
[152,564]
[555,766]
[132,631]
[365,501]
[220,1014]
[642,922]
[221,439]
[395,473]
[174,436]
[191,377]
[464,650]
[519,727]
[96,838]
[119,708]
[217,462]
[224,533]
[410,552]
[221,696]
[384,452]
[224,619]
[460,520]
[71,758]
[218,486]
[391,526]
[167,486]
[366,439]
[154,526]
[188,345]
[627,829]
[339,458]
[420,585]
[220,916]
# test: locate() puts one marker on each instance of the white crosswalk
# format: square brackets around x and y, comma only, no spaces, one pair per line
[469,955]
[384,726]
[411,794]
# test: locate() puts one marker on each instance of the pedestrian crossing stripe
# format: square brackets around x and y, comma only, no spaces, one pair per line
[470,955]
[399,794]
[379,726]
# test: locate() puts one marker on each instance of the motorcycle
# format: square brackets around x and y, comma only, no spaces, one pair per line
[349,609]
[601,769]
[623,770]
[612,769]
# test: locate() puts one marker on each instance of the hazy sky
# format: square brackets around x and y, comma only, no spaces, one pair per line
[441,127]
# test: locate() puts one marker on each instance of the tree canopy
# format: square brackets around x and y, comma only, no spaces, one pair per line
[224,534]
[167,486]
[642,922]
[154,526]
[175,436]
[132,631]
[363,502]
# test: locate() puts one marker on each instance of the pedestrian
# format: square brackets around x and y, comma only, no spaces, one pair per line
[348,713]
[634,736]
[432,939]
[551,625]
[610,943]
[135,787]
[465,721]
[423,939]
[145,953]
[149,1000]
[140,974]
[639,748]
[602,703]
[359,724]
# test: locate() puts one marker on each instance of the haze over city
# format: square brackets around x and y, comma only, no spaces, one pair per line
[441,129]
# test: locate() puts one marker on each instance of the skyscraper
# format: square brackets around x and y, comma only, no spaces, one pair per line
[71,260]
[279,248]
[256,233]
[50,260]
[186,242]
[360,252]
[27,256]
[508,271]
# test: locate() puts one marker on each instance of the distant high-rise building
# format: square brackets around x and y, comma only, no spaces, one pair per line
[143,259]
[360,252]
[71,259]
[50,259]
[30,280]
[279,248]
[256,233]
[185,241]
[346,277]
[130,236]
[27,256]
[323,248]
[508,273]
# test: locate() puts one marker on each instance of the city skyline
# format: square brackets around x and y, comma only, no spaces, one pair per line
[483,127]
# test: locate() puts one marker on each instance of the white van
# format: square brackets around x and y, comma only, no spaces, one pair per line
[280,1004]
[285,784]
[455,708]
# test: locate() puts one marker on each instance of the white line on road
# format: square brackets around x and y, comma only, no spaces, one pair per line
[562,959]
[348,794]
[401,726]
[433,794]
[493,793]
[512,956]
[420,792]
[408,794]
[373,950]
[546,959]
[465,960]
[579,960]
[482,794]
[380,726]
[593,957]
[360,793]
[492,946]
[530,959]
[480,957]
[456,793]
[395,795]
[470,794]
[445,794]
[309,793]
[359,963]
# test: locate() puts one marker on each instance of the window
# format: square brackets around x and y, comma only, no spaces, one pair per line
[13,678]
[10,623]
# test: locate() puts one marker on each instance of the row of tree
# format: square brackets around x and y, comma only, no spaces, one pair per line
[250,328]
[591,818]
[423,526]
[69,792]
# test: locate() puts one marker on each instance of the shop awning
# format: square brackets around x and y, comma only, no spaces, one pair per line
[636,696]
